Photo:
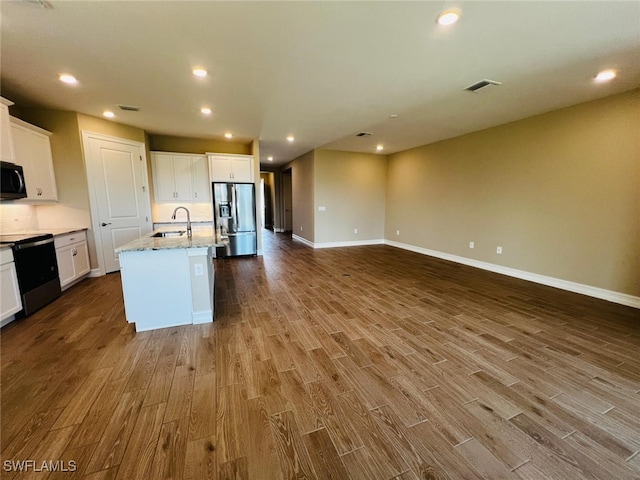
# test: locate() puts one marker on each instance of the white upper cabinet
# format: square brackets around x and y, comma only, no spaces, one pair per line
[231,168]
[201,182]
[180,177]
[33,152]
[7,153]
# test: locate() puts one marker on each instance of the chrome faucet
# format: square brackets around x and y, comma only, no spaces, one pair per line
[173,217]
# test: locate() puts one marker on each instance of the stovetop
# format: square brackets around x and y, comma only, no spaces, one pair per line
[18,238]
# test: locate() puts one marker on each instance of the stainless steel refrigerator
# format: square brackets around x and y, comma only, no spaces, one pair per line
[234,210]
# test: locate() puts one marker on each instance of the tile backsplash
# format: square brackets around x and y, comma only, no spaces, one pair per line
[200,212]
[16,218]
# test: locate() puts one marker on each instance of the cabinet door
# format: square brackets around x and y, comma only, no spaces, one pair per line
[221,169]
[80,255]
[201,183]
[10,301]
[66,269]
[163,177]
[182,177]
[33,152]
[7,153]
[41,150]
[243,169]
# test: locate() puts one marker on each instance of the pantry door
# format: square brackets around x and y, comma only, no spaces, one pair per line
[118,188]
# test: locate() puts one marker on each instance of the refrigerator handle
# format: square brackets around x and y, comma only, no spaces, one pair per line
[235,207]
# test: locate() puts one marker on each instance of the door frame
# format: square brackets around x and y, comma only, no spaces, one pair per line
[90,168]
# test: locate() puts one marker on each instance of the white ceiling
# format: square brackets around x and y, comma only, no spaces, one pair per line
[322,71]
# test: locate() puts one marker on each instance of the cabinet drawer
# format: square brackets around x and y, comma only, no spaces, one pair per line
[69,238]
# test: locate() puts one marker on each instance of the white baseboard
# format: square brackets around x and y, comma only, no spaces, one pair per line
[203,316]
[95,272]
[601,293]
[355,243]
[303,240]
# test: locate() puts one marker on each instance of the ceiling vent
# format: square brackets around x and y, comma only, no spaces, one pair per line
[482,84]
[129,108]
[363,134]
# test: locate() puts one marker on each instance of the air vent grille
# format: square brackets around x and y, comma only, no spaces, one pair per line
[129,108]
[482,84]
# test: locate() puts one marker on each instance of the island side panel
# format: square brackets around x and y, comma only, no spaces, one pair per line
[157,288]
[202,288]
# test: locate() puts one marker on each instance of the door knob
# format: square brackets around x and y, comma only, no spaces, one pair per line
[105,224]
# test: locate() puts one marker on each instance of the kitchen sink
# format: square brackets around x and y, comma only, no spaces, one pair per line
[169,233]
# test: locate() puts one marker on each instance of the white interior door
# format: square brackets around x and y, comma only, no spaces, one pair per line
[117,171]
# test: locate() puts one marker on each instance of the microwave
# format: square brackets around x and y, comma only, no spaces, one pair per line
[12,180]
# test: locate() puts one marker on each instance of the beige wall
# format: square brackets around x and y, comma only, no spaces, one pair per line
[560,192]
[303,183]
[168,143]
[352,187]
[110,128]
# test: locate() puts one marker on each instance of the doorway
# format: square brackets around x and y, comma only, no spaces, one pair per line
[287,194]
[118,193]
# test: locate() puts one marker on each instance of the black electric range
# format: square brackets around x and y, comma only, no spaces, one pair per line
[36,269]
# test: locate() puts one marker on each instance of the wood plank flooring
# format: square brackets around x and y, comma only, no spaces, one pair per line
[348,363]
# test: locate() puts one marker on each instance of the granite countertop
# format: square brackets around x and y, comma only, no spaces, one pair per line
[54,231]
[63,231]
[202,237]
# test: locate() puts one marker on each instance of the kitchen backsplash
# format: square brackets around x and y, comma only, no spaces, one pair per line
[200,212]
[17,218]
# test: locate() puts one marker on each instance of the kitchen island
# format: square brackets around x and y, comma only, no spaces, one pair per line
[169,280]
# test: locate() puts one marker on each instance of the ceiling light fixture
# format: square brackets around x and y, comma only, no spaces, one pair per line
[228,135]
[379,148]
[448,17]
[108,114]
[68,79]
[200,72]
[205,110]
[606,75]
[270,159]
[290,138]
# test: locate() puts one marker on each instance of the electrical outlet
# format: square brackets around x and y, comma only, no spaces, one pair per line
[199,269]
[300,227]
[355,230]
[499,250]
[322,208]
[397,233]
[472,245]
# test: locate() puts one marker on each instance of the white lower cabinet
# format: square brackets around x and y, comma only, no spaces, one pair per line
[10,302]
[73,257]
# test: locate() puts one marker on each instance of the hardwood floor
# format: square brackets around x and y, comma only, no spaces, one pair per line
[348,363]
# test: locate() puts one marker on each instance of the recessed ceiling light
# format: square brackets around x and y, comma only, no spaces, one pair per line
[379,148]
[393,116]
[606,75]
[228,135]
[448,17]
[270,159]
[205,110]
[68,78]
[200,72]
[108,114]
[290,138]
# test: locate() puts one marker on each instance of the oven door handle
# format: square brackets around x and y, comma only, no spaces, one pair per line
[22,246]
